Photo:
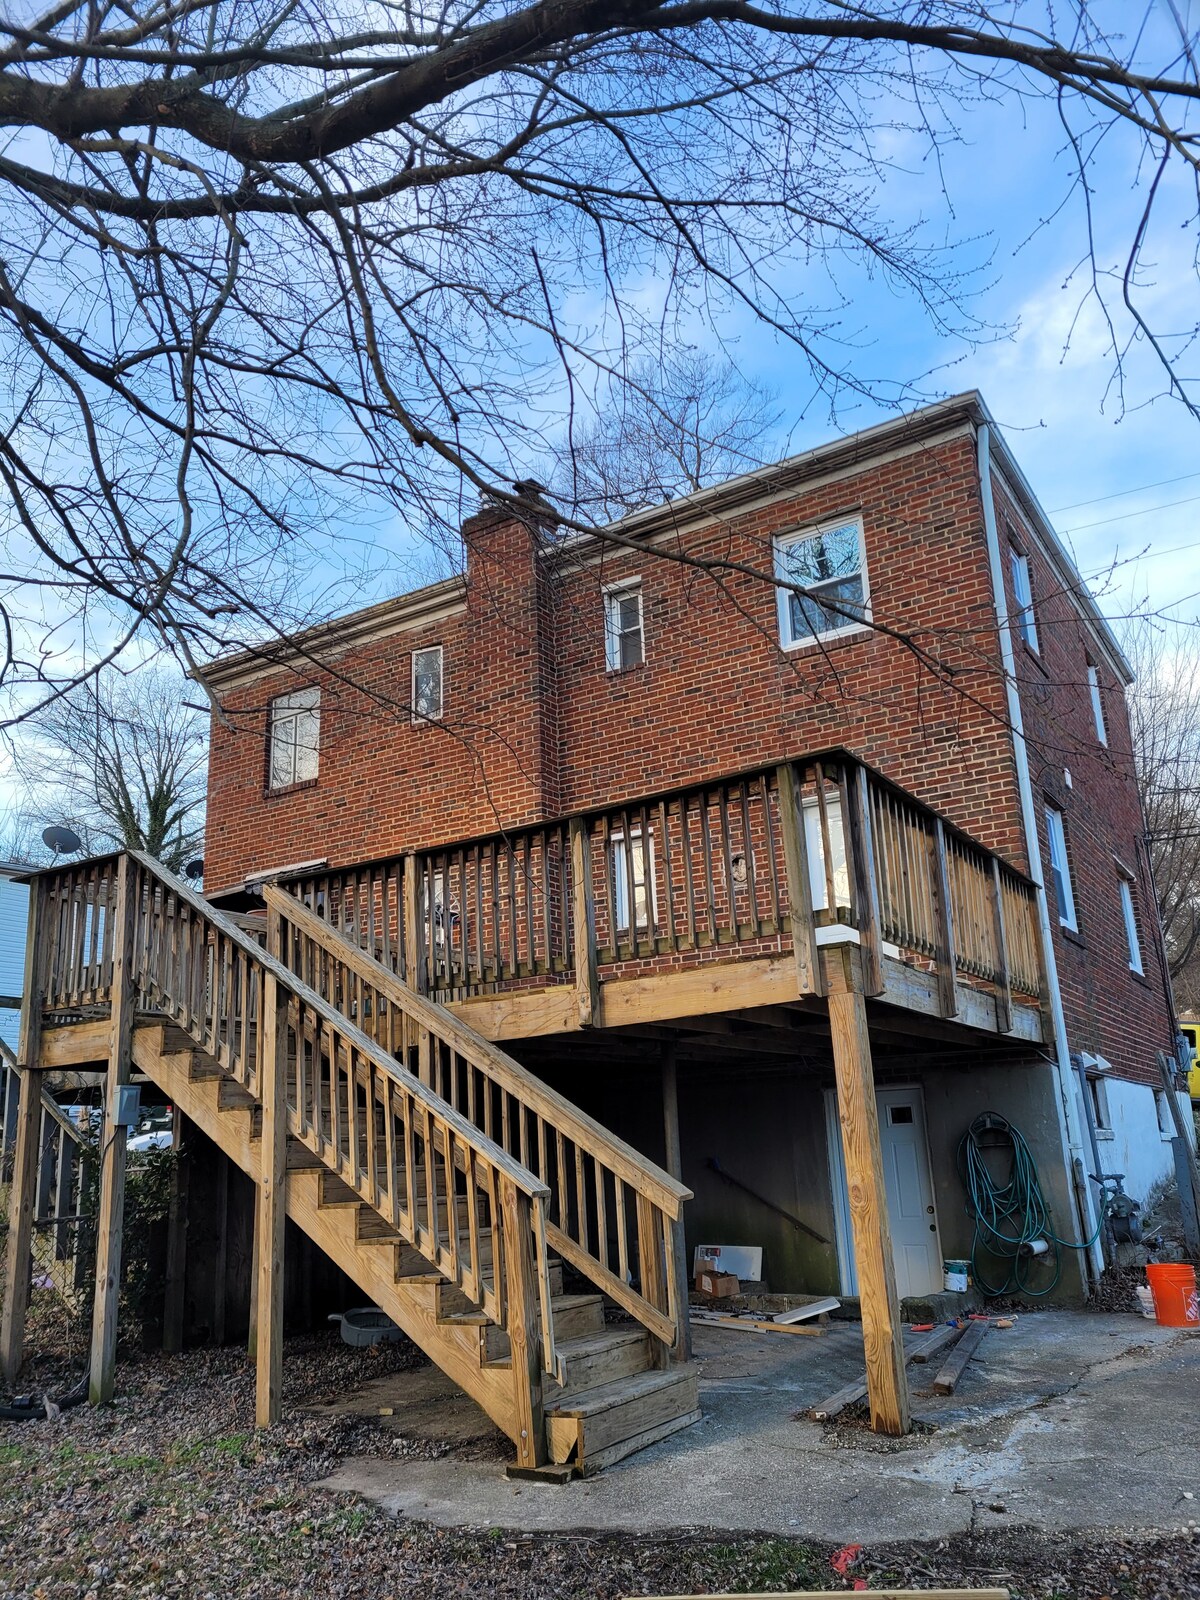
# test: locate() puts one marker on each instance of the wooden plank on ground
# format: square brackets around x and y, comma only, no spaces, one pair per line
[851,1393]
[717,1319]
[876,1594]
[956,1364]
[814,1308]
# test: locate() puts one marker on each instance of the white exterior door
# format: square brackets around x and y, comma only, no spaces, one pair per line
[916,1249]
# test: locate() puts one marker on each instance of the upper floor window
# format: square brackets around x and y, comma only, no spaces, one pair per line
[1129,915]
[294,738]
[1060,868]
[1023,590]
[830,564]
[1097,703]
[624,634]
[428,684]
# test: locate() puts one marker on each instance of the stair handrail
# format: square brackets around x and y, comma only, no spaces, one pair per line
[344,1033]
[660,1305]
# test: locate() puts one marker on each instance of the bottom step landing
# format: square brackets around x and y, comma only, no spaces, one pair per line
[593,1428]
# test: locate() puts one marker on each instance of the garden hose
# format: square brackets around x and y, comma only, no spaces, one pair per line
[1011,1218]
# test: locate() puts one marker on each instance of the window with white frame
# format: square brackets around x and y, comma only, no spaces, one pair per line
[1023,590]
[1129,914]
[624,635]
[428,684]
[1093,677]
[814,839]
[294,736]
[829,563]
[1060,868]
[1166,1122]
[633,868]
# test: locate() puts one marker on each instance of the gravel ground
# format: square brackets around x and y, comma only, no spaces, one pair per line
[170,1492]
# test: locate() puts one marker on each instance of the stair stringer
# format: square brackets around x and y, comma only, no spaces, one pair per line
[411,1303]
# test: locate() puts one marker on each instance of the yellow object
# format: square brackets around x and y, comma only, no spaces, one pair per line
[1191,1032]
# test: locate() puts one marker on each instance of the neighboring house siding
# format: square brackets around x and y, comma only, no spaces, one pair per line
[535,725]
[14,910]
[1110,1011]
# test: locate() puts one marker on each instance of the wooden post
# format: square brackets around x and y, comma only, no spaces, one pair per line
[887,1386]
[795,856]
[1004,987]
[413,964]
[21,1196]
[177,1219]
[271,1207]
[583,924]
[111,1212]
[939,882]
[523,1301]
[25,1145]
[255,1231]
[674,1165]
[857,807]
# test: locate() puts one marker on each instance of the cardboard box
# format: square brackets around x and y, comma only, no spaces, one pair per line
[717,1284]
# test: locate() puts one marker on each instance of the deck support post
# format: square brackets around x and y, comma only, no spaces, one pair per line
[21,1195]
[520,1270]
[674,1165]
[177,1221]
[27,1080]
[271,1206]
[887,1385]
[110,1214]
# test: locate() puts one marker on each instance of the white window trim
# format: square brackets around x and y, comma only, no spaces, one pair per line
[616,846]
[1060,864]
[1026,613]
[421,719]
[612,594]
[1101,1113]
[784,541]
[1129,915]
[1093,676]
[1162,1110]
[305,702]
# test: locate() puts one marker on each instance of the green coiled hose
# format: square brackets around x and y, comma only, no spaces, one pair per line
[1009,1216]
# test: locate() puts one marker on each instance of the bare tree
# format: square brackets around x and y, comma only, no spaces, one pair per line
[672,426]
[1164,710]
[273,270]
[121,760]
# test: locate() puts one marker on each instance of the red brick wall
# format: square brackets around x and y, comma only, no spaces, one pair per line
[1110,1011]
[535,726]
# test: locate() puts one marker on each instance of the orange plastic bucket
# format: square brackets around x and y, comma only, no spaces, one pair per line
[1173,1285]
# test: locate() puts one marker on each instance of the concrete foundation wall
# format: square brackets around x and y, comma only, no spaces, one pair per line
[1135,1145]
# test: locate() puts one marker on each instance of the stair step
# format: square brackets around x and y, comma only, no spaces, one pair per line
[603,1424]
[576,1315]
[598,1358]
[301,1159]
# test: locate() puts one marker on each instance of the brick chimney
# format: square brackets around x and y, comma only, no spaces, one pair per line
[511,593]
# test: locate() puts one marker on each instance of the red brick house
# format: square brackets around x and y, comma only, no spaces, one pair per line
[786,839]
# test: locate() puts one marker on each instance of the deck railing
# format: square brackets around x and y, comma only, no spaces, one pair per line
[756,862]
[443,1185]
[611,1213]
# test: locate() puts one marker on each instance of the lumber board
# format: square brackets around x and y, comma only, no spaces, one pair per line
[956,1363]
[815,1308]
[851,1393]
[876,1594]
[714,1319]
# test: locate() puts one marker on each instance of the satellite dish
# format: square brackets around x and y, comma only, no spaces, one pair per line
[63,841]
[194,869]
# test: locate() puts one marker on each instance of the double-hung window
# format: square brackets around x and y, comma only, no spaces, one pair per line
[624,633]
[1023,591]
[1093,678]
[1060,868]
[1129,916]
[428,685]
[633,870]
[294,737]
[829,564]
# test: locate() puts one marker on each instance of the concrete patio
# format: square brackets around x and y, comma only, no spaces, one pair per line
[1067,1420]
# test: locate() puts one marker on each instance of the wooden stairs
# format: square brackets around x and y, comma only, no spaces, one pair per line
[613,1388]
